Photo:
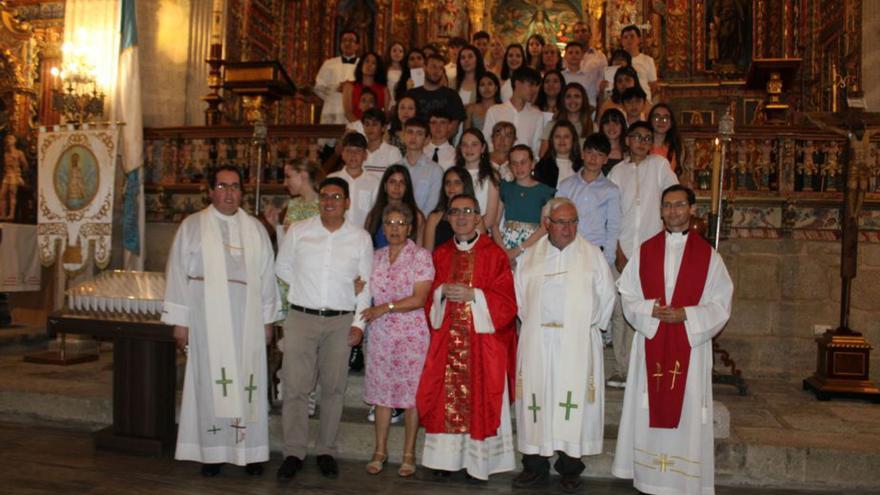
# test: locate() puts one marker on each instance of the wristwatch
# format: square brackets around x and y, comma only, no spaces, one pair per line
[390,307]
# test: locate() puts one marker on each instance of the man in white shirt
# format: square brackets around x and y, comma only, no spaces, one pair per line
[363,187]
[641,179]
[593,62]
[438,149]
[331,75]
[631,40]
[380,155]
[321,259]
[574,54]
[525,117]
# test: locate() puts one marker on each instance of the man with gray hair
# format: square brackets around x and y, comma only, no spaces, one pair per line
[565,294]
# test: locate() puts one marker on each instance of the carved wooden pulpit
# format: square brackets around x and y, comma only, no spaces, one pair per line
[843,353]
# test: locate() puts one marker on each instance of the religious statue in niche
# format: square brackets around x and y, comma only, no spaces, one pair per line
[729,26]
[453,19]
[513,21]
[358,16]
[807,168]
[831,166]
[14,167]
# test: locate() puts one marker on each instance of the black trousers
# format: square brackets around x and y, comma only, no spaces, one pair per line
[564,465]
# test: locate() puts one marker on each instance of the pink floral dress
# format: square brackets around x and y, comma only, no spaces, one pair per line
[397,342]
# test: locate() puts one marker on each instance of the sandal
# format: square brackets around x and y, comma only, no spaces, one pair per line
[407,469]
[376,465]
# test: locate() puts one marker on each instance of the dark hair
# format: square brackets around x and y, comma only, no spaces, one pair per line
[366,90]
[491,75]
[621,53]
[546,170]
[479,70]
[464,176]
[381,76]
[522,147]
[439,113]
[574,43]
[457,41]
[471,197]
[335,181]
[541,102]
[400,88]
[480,35]
[430,47]
[525,74]
[691,197]
[375,114]
[598,142]
[357,37]
[212,175]
[541,41]
[388,60]
[623,71]
[614,115]
[396,124]
[558,58]
[633,93]
[633,28]
[417,122]
[435,56]
[585,115]
[505,69]
[486,170]
[672,140]
[355,139]
[373,221]
[639,124]
[575,148]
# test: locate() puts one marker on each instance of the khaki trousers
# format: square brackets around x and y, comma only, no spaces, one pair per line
[621,334]
[313,345]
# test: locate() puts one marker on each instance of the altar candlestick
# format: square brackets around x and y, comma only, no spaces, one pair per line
[716,176]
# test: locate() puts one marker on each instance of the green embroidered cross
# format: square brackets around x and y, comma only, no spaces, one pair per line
[534,408]
[568,405]
[250,388]
[214,429]
[223,381]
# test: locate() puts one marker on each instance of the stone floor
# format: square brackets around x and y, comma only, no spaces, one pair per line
[780,436]
[47,460]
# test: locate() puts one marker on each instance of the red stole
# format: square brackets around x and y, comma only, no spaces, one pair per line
[667,355]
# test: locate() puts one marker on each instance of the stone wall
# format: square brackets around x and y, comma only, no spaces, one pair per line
[783,289]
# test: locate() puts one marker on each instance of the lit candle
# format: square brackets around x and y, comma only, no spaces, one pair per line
[716,176]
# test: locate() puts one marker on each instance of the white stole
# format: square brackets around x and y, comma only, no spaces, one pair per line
[232,378]
[576,341]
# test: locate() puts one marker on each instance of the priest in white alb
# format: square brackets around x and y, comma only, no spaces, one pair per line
[221,297]
[565,294]
[676,293]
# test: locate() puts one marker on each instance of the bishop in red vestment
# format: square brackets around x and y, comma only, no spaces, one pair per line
[463,400]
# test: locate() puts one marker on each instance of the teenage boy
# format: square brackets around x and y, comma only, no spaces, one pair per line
[426,175]
[631,41]
[482,40]
[574,55]
[641,178]
[438,149]
[434,95]
[362,186]
[633,100]
[367,102]
[518,110]
[380,155]
[596,198]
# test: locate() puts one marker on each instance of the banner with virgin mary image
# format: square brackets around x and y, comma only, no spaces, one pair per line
[75,203]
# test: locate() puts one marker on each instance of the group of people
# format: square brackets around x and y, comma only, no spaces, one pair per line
[485,277]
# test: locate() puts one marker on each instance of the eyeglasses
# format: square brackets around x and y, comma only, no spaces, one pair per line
[395,223]
[573,221]
[331,197]
[223,186]
[454,212]
[677,204]
[661,118]
[641,138]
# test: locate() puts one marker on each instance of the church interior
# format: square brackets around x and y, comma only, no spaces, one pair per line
[776,106]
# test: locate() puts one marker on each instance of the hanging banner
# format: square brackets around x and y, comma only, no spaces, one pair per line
[75,205]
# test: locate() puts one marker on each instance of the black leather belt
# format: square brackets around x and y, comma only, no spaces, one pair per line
[326,313]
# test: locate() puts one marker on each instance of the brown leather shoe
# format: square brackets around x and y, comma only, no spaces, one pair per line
[528,479]
[571,483]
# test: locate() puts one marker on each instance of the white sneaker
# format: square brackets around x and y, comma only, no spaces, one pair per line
[616,381]
[371,416]
[396,416]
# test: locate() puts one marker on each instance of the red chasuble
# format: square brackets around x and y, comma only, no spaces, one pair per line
[667,355]
[462,384]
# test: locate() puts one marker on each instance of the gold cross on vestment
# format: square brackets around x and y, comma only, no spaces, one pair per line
[663,462]
[658,375]
[675,372]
